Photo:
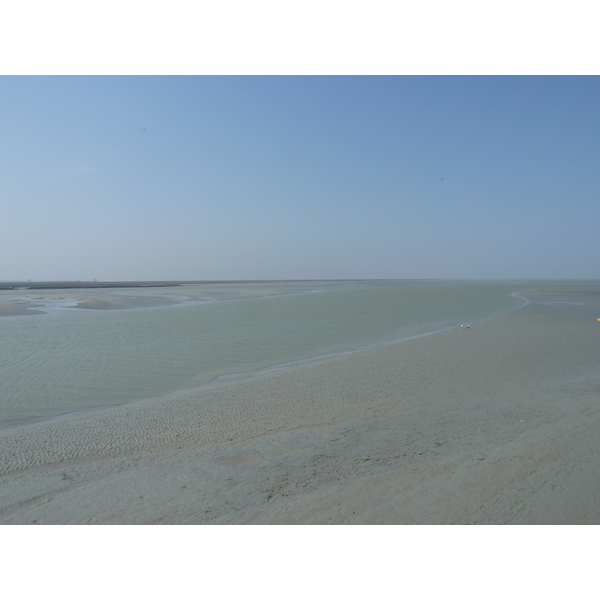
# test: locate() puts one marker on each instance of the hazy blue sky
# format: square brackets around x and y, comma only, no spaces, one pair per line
[299,177]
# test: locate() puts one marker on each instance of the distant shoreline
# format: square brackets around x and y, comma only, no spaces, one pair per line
[59,285]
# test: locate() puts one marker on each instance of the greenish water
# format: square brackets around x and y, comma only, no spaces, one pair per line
[75,359]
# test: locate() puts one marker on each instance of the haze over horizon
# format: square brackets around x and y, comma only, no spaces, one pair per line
[167,178]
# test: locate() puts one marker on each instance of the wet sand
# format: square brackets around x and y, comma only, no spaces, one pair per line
[39,299]
[492,424]
[42,301]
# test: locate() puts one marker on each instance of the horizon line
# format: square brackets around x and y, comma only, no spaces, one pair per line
[6,285]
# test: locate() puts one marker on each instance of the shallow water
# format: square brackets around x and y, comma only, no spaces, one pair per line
[74,359]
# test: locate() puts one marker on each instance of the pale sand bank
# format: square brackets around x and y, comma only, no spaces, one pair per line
[43,300]
[36,304]
[494,424]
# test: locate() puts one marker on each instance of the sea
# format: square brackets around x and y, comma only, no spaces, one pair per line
[64,358]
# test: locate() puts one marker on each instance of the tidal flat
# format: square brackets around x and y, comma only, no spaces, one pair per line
[492,424]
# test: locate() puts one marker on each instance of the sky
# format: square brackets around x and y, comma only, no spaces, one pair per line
[299,177]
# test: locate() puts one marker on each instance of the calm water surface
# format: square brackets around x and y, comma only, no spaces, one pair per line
[74,359]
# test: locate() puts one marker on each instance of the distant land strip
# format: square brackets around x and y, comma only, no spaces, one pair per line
[58,285]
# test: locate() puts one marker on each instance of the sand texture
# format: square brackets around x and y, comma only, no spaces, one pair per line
[495,424]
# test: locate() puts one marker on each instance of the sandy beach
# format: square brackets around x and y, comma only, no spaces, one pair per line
[494,424]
